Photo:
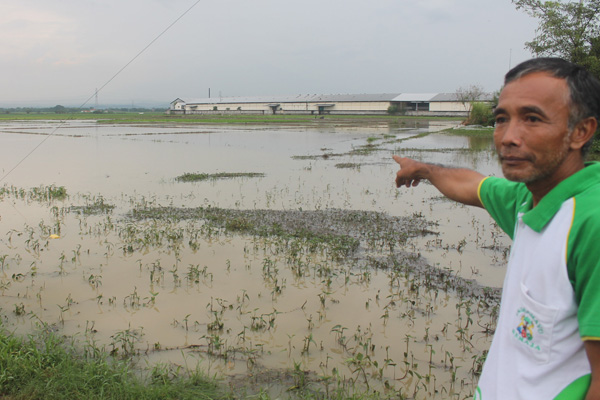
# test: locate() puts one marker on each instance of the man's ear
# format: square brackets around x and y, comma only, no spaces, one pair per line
[583,132]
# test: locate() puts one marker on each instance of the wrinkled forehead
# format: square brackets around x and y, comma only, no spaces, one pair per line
[537,88]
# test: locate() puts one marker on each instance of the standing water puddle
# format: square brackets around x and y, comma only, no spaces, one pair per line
[343,280]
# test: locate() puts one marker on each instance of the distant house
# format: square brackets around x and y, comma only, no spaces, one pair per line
[419,104]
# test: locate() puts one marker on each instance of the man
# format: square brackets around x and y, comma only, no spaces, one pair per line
[547,340]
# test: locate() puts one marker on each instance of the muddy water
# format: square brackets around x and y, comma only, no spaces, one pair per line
[236,303]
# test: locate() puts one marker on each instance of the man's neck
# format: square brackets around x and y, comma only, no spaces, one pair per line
[542,187]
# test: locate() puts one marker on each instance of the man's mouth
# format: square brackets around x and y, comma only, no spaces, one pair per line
[513,159]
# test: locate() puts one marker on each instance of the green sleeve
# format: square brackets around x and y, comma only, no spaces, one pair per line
[502,199]
[583,263]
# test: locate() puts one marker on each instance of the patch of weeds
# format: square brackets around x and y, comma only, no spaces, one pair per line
[239,224]
[197,176]
[99,206]
[478,131]
[40,193]
[318,157]
[342,232]
[441,198]
[55,192]
[348,165]
[434,150]
[364,150]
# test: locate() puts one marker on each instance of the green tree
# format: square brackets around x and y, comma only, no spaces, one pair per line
[567,29]
[59,109]
[468,95]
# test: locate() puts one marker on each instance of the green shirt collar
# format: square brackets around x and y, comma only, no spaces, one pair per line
[537,218]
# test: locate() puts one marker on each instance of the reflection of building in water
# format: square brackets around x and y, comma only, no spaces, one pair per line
[422,104]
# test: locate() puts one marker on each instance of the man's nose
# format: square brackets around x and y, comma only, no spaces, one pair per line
[511,134]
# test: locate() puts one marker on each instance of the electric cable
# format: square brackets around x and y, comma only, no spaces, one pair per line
[98,90]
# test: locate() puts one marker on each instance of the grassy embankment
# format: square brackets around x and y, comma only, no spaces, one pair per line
[161,117]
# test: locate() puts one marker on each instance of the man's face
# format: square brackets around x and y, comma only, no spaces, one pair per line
[532,136]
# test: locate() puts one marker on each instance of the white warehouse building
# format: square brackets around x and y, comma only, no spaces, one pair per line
[418,104]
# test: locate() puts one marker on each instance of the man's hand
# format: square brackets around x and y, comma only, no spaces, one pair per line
[410,173]
[458,184]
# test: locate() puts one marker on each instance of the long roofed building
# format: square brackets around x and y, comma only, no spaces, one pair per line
[421,104]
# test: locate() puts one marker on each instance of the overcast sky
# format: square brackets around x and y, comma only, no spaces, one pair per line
[60,51]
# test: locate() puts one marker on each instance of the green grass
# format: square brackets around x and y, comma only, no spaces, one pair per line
[161,117]
[45,367]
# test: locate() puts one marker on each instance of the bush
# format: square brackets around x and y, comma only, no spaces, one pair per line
[481,114]
[593,153]
[396,109]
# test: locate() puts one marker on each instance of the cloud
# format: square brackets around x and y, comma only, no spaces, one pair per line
[69,47]
[31,30]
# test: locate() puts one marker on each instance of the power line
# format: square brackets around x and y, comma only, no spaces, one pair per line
[95,94]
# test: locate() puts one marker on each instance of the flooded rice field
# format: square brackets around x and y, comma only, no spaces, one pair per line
[294,264]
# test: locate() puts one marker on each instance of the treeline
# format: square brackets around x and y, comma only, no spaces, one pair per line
[58,109]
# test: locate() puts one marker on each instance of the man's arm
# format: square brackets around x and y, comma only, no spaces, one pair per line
[457,184]
[592,349]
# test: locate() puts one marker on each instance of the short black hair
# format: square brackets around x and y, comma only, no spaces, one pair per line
[584,88]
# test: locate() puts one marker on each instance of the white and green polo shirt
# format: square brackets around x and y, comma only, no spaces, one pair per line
[550,299]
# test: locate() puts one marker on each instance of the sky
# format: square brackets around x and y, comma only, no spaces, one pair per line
[61,51]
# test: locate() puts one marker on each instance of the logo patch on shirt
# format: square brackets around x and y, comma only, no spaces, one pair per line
[528,328]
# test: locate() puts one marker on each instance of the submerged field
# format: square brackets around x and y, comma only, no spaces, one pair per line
[280,258]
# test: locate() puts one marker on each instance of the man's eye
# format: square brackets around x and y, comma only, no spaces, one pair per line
[500,119]
[532,118]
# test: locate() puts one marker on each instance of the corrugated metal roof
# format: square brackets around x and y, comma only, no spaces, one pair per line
[454,97]
[358,97]
[445,97]
[301,98]
[328,98]
[415,96]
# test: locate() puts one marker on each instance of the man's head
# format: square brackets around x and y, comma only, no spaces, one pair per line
[543,122]
[584,88]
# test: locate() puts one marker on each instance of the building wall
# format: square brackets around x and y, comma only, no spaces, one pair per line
[177,105]
[287,107]
[360,106]
[449,106]
[442,108]
[228,106]
[436,113]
